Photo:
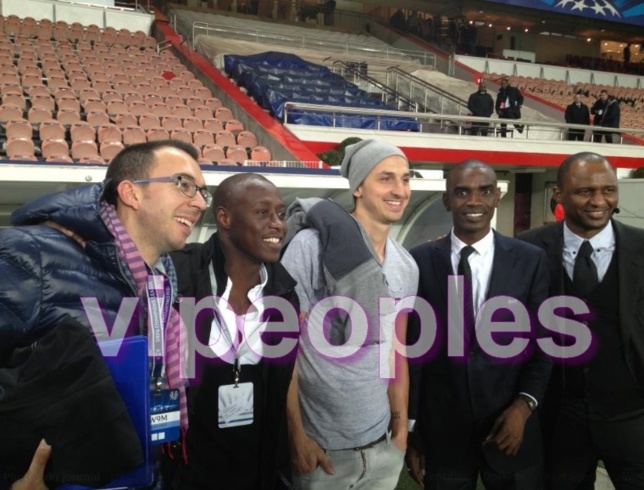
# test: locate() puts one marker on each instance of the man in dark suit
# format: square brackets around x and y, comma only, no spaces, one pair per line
[599,401]
[508,105]
[480,104]
[475,413]
[577,113]
[611,119]
[597,110]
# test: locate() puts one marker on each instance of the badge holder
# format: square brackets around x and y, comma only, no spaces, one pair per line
[131,373]
[236,401]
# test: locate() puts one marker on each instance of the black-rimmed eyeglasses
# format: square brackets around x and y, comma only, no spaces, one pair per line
[186,187]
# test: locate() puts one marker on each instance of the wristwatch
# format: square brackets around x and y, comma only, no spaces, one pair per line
[532,404]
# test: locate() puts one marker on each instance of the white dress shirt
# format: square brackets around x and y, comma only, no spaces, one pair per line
[250,349]
[603,244]
[480,262]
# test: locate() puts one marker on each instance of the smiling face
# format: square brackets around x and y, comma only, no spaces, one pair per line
[384,193]
[164,216]
[589,196]
[254,220]
[472,196]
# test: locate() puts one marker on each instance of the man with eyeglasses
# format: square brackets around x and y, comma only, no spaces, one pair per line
[153,195]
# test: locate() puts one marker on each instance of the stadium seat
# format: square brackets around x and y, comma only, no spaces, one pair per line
[54,148]
[236,153]
[260,154]
[51,129]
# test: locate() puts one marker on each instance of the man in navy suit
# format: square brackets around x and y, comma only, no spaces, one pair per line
[475,412]
[598,403]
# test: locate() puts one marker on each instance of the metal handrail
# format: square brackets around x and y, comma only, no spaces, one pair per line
[434,98]
[163,45]
[267,37]
[460,124]
[385,89]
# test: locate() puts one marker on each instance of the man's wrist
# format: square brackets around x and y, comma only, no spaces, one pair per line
[530,402]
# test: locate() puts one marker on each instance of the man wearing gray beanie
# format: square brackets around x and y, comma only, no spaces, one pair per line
[347,415]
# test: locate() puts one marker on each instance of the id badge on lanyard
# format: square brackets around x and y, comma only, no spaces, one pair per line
[165,416]
[235,401]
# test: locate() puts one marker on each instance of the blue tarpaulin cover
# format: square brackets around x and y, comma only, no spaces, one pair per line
[274,78]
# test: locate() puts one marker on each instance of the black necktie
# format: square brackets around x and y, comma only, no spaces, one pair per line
[584,275]
[465,270]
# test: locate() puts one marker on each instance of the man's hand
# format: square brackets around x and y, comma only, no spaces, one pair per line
[400,440]
[307,455]
[416,464]
[507,432]
[34,478]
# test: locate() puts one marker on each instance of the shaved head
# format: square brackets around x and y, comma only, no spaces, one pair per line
[467,165]
[232,188]
[579,158]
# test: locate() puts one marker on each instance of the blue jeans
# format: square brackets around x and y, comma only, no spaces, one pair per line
[376,468]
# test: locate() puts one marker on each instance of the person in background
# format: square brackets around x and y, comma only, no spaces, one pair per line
[508,105]
[577,113]
[611,119]
[627,55]
[597,110]
[480,104]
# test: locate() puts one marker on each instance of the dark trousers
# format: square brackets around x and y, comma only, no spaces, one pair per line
[576,134]
[508,114]
[465,477]
[480,129]
[599,135]
[610,137]
[582,437]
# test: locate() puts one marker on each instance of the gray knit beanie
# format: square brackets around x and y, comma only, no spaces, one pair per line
[360,159]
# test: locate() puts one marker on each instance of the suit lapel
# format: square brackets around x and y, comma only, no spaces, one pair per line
[503,272]
[553,246]
[629,269]
[442,264]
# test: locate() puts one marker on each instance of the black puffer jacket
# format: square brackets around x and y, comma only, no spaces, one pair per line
[45,274]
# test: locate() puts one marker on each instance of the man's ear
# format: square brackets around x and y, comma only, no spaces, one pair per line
[223,218]
[129,194]
[557,194]
[497,191]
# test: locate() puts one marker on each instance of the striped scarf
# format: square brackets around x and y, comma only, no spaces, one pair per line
[176,342]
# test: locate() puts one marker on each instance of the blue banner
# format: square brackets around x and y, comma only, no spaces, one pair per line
[623,11]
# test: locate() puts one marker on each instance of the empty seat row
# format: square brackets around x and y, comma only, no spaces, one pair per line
[24,148]
[12,25]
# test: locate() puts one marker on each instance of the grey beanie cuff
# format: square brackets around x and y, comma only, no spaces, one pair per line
[361,158]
